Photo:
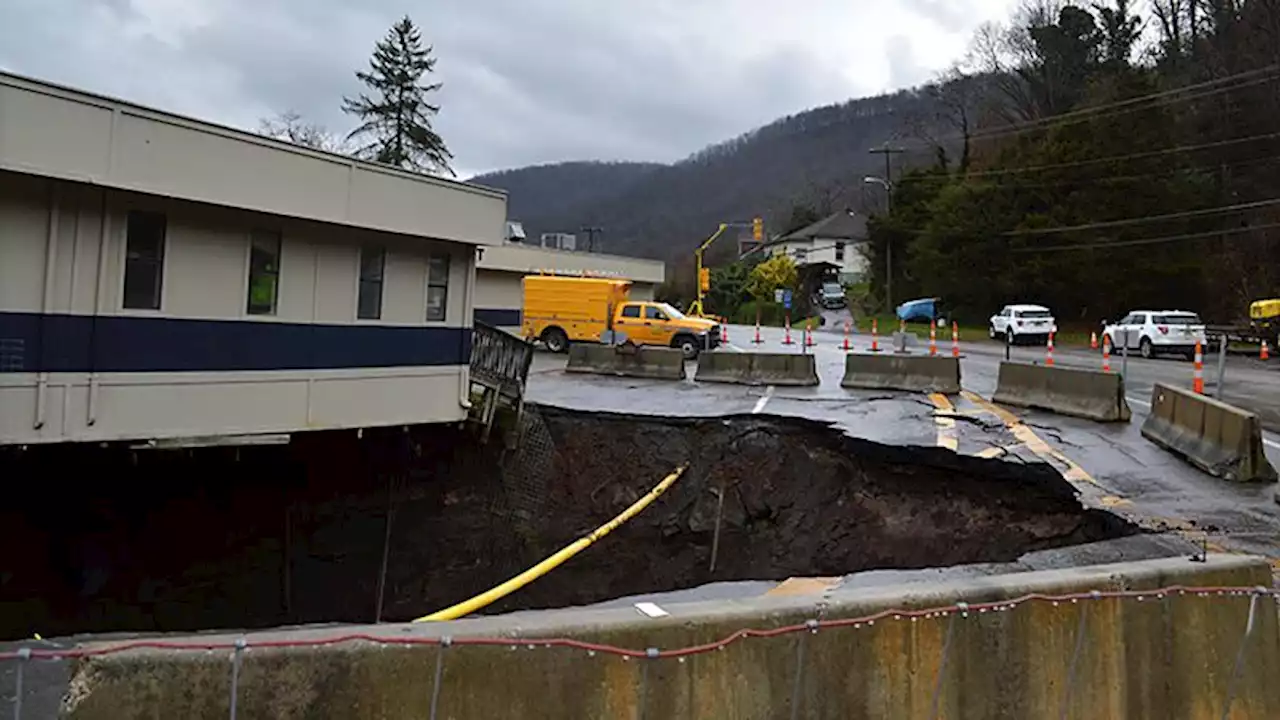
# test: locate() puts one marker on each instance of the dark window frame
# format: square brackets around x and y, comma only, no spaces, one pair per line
[137,260]
[370,282]
[435,282]
[626,308]
[259,270]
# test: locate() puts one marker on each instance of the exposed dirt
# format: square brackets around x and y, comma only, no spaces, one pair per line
[97,540]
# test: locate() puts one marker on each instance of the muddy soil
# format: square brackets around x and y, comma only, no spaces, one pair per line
[95,540]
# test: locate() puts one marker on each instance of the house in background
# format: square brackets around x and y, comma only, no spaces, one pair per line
[832,246]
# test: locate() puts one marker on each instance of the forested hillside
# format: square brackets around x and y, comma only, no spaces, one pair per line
[815,158]
[555,190]
[1094,156]
[1106,173]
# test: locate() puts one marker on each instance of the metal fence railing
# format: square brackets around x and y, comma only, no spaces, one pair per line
[500,360]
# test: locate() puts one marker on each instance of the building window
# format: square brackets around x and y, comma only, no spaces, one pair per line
[839,252]
[144,260]
[264,272]
[437,287]
[372,263]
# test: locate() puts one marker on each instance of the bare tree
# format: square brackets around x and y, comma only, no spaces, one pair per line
[289,126]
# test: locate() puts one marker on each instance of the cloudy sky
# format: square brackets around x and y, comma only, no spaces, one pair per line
[525,81]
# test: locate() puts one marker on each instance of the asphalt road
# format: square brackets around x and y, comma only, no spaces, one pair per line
[1112,466]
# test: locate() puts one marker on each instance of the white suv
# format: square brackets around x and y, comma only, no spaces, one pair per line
[1155,331]
[1018,323]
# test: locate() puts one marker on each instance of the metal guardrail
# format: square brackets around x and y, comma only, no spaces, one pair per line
[500,360]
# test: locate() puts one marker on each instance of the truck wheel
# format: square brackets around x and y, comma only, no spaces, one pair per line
[688,346]
[555,340]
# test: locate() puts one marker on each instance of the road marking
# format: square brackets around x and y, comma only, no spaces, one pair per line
[1025,435]
[733,347]
[946,424]
[764,399]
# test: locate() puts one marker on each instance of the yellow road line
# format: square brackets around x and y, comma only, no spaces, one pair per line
[1025,435]
[945,422]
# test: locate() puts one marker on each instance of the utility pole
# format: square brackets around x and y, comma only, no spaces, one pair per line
[888,153]
[591,232]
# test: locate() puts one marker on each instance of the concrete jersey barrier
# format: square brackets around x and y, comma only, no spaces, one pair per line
[1218,438]
[1088,394]
[626,361]
[914,373]
[758,368]
[1168,657]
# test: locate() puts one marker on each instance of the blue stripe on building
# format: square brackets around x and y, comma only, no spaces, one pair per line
[498,317]
[31,342]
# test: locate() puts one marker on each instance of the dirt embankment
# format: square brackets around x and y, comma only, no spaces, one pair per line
[100,541]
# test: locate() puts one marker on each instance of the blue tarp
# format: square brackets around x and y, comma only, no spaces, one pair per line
[923,309]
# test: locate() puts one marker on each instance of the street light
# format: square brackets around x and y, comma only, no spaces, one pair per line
[888,246]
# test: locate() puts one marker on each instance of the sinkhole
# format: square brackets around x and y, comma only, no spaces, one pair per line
[390,525]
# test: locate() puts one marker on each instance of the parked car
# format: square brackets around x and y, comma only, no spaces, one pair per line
[1023,323]
[924,309]
[1156,331]
[831,295]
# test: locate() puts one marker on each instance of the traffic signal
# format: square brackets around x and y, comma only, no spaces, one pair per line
[757,229]
[704,279]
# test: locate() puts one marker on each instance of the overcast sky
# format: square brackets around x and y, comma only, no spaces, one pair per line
[525,81]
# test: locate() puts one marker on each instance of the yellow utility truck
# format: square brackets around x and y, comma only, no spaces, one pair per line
[559,310]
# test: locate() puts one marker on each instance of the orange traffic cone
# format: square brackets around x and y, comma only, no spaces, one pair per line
[724,331]
[808,335]
[1197,382]
[846,336]
[933,337]
[1093,340]
[786,338]
[1106,354]
[1048,353]
[875,341]
[1264,355]
[955,339]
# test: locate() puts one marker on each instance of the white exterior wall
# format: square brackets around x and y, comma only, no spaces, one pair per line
[63,133]
[62,259]
[823,250]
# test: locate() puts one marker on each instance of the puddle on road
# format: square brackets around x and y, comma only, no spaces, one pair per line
[220,538]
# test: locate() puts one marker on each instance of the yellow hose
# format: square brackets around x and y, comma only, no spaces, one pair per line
[494,594]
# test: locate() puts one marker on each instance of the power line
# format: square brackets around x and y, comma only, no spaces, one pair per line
[1148,241]
[1106,178]
[1270,73]
[1146,219]
[1121,158]
[1126,106]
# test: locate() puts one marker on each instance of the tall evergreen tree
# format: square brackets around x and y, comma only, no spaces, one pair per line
[396,116]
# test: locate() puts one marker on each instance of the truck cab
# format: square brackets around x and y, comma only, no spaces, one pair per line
[655,323]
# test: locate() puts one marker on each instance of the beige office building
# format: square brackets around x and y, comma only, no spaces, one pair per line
[162,277]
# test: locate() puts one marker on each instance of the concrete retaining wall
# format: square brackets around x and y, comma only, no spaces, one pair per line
[1159,657]
[1088,394]
[915,373]
[758,368]
[1218,438]
[626,361]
